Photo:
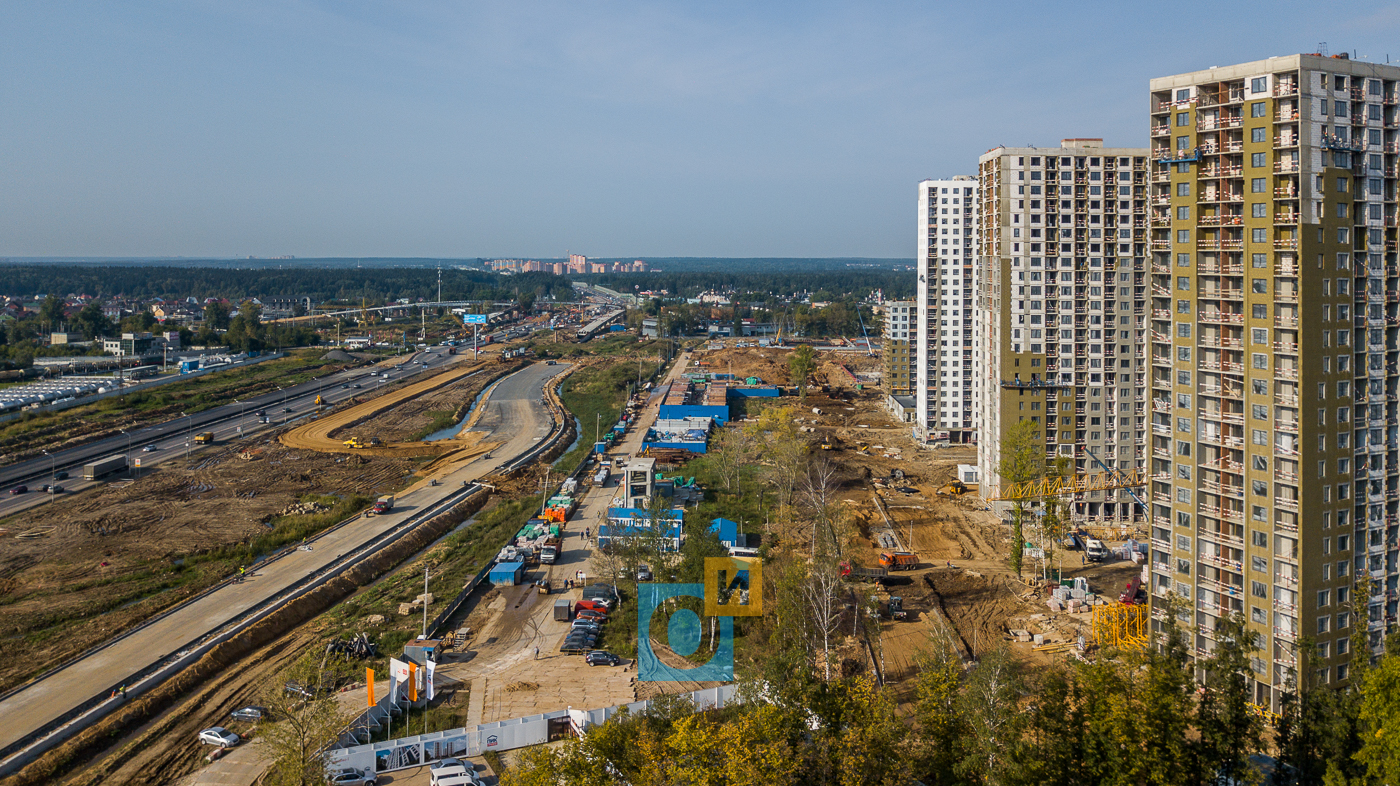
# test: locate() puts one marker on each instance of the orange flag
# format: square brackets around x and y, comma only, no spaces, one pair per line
[369,678]
[412,681]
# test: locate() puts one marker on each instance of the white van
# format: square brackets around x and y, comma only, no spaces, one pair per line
[740,551]
[453,772]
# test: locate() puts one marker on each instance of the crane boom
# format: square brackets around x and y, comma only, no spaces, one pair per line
[1073,484]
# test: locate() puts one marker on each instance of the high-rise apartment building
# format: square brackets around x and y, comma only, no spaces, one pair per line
[1063,250]
[1275,472]
[897,345]
[946,390]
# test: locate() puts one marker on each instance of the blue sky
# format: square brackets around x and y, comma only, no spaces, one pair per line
[534,128]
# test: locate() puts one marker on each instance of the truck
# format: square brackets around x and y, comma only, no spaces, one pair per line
[1094,550]
[563,610]
[104,467]
[549,554]
[384,504]
[856,573]
[899,560]
[204,438]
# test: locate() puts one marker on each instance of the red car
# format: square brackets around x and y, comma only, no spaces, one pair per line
[591,605]
[19,489]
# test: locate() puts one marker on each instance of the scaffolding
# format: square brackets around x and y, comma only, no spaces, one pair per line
[1121,626]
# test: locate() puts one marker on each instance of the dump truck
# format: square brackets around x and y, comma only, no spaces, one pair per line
[206,438]
[104,467]
[899,560]
[548,554]
[856,573]
[384,504]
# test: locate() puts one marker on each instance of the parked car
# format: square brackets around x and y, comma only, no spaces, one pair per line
[590,614]
[582,636]
[643,573]
[151,448]
[350,776]
[453,772]
[19,490]
[60,475]
[591,626]
[601,658]
[592,605]
[218,735]
[250,713]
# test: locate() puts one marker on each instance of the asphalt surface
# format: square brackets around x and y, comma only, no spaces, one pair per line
[174,438]
[514,412]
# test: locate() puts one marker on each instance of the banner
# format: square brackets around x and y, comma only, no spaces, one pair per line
[369,679]
[431,667]
[412,681]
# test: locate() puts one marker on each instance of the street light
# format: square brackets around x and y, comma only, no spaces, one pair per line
[240,415]
[52,469]
[189,433]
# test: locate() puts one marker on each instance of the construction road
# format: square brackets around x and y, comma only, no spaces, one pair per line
[515,416]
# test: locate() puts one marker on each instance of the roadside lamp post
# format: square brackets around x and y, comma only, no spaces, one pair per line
[189,433]
[51,474]
[597,429]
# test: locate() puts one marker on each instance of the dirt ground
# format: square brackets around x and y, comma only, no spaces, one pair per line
[405,421]
[65,560]
[963,592]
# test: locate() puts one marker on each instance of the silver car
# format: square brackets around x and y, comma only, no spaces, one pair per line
[218,735]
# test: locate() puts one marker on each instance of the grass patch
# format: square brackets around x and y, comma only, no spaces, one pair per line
[439,420]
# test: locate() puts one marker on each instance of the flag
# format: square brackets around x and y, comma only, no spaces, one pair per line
[431,667]
[369,679]
[412,681]
[394,690]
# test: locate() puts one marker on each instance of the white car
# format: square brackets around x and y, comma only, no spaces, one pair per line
[453,772]
[351,777]
[220,736]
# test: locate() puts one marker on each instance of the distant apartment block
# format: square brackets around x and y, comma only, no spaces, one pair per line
[1274,352]
[946,362]
[899,335]
[1063,247]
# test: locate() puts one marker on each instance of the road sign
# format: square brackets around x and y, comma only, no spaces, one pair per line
[473,319]
[138,463]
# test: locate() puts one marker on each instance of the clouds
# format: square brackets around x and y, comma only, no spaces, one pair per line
[507,128]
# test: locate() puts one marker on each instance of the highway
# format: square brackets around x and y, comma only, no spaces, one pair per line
[515,414]
[230,421]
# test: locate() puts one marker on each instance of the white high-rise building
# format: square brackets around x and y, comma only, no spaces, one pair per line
[947,390]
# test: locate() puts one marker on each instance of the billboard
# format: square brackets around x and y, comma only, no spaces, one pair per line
[473,319]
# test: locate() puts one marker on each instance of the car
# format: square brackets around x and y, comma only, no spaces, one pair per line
[250,713]
[453,772]
[601,658]
[262,412]
[45,488]
[151,448]
[19,490]
[349,776]
[356,386]
[286,409]
[643,573]
[585,624]
[581,635]
[55,489]
[60,475]
[218,735]
[592,614]
[344,387]
[592,605]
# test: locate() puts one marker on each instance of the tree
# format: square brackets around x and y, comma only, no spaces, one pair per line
[1380,712]
[991,705]
[938,715]
[51,312]
[1229,730]
[302,726]
[801,364]
[91,322]
[1021,460]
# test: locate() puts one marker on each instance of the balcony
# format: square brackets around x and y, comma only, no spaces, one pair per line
[1286,243]
[1284,167]
[1285,218]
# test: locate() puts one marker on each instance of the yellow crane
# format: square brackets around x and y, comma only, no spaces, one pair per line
[1070,484]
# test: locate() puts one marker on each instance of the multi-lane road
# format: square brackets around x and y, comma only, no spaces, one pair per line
[515,415]
[174,438]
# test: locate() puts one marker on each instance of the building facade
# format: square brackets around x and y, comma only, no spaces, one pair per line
[1063,252]
[1275,473]
[946,363]
[900,333]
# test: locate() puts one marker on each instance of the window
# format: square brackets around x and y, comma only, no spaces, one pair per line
[1261,489]
[1183,283]
[1183,495]
[1183,236]
[1183,213]
[1260,311]
[1183,118]
[1324,624]
[1324,598]
[1183,330]
[1260,286]
[1183,566]
[1260,360]
[1259,565]
[1261,539]
[1184,94]
[1258,588]
[1259,617]
[1258,185]
[1259,260]
[1341,185]
[1259,235]
[1257,159]
[1183,307]
[1261,463]
[1183,471]
[1261,411]
[1183,189]
[1256,134]
[1183,260]
[1260,437]
[1259,335]
[1183,143]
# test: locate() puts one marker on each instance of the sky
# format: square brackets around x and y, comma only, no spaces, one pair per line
[536,128]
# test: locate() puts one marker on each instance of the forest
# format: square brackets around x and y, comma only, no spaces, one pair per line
[348,285]
[767,286]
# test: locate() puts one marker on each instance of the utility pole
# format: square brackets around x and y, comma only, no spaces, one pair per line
[425,589]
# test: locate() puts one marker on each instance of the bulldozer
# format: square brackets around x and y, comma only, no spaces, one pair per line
[953,489]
